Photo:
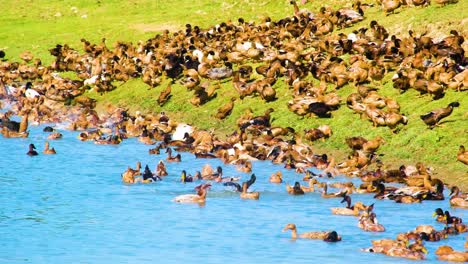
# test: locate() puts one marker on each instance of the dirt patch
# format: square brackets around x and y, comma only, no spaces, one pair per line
[154,27]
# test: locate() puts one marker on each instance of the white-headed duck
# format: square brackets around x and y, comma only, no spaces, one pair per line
[323,235]
[48,150]
[276,177]
[458,199]
[448,254]
[243,190]
[32,151]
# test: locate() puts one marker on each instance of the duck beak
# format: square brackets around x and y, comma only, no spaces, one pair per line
[434,214]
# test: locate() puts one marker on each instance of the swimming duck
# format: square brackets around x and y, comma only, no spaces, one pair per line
[189,178]
[462,155]
[348,210]
[435,116]
[170,158]
[276,177]
[325,193]
[294,190]
[161,169]
[200,197]
[369,223]
[243,190]
[458,199]
[55,135]
[129,175]
[48,150]
[447,253]
[32,151]
[149,176]
[311,235]
[208,173]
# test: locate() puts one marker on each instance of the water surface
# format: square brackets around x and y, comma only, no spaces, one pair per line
[73,208]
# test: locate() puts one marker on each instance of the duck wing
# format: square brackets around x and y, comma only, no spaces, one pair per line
[235,184]
[252,180]
[428,118]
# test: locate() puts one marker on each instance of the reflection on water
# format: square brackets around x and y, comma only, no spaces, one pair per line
[72,207]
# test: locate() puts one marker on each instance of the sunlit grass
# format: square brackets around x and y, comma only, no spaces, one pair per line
[39,25]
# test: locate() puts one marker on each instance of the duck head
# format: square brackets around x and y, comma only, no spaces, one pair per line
[332,237]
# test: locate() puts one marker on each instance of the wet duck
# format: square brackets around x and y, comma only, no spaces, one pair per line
[129,175]
[244,194]
[161,169]
[458,199]
[322,235]
[325,193]
[170,158]
[447,253]
[32,151]
[200,197]
[348,210]
[48,150]
[149,176]
[295,190]
[276,177]
[369,223]
[189,178]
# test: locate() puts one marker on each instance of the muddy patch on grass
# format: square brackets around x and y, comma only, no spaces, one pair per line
[154,27]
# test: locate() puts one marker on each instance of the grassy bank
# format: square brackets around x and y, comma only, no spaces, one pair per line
[39,25]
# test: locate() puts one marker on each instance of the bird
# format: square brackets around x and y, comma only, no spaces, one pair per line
[328,236]
[462,155]
[243,190]
[433,118]
[48,150]
[32,151]
[165,95]
[226,109]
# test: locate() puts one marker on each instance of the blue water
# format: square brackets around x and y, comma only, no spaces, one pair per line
[73,208]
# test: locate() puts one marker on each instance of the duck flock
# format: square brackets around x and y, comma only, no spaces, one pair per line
[298,50]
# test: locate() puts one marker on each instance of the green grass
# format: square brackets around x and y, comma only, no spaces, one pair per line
[39,25]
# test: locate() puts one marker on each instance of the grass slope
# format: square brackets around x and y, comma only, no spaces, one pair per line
[38,25]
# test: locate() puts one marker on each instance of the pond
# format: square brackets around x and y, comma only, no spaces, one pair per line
[73,208]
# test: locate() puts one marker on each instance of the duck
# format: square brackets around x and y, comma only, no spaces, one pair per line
[433,118]
[458,199]
[348,210]
[389,6]
[48,150]
[295,190]
[446,217]
[161,169]
[184,178]
[369,223]
[32,151]
[129,175]
[325,193]
[322,235]
[165,95]
[199,198]
[276,177]
[462,155]
[225,110]
[447,253]
[208,173]
[244,194]
[170,158]
[54,135]
[149,176]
